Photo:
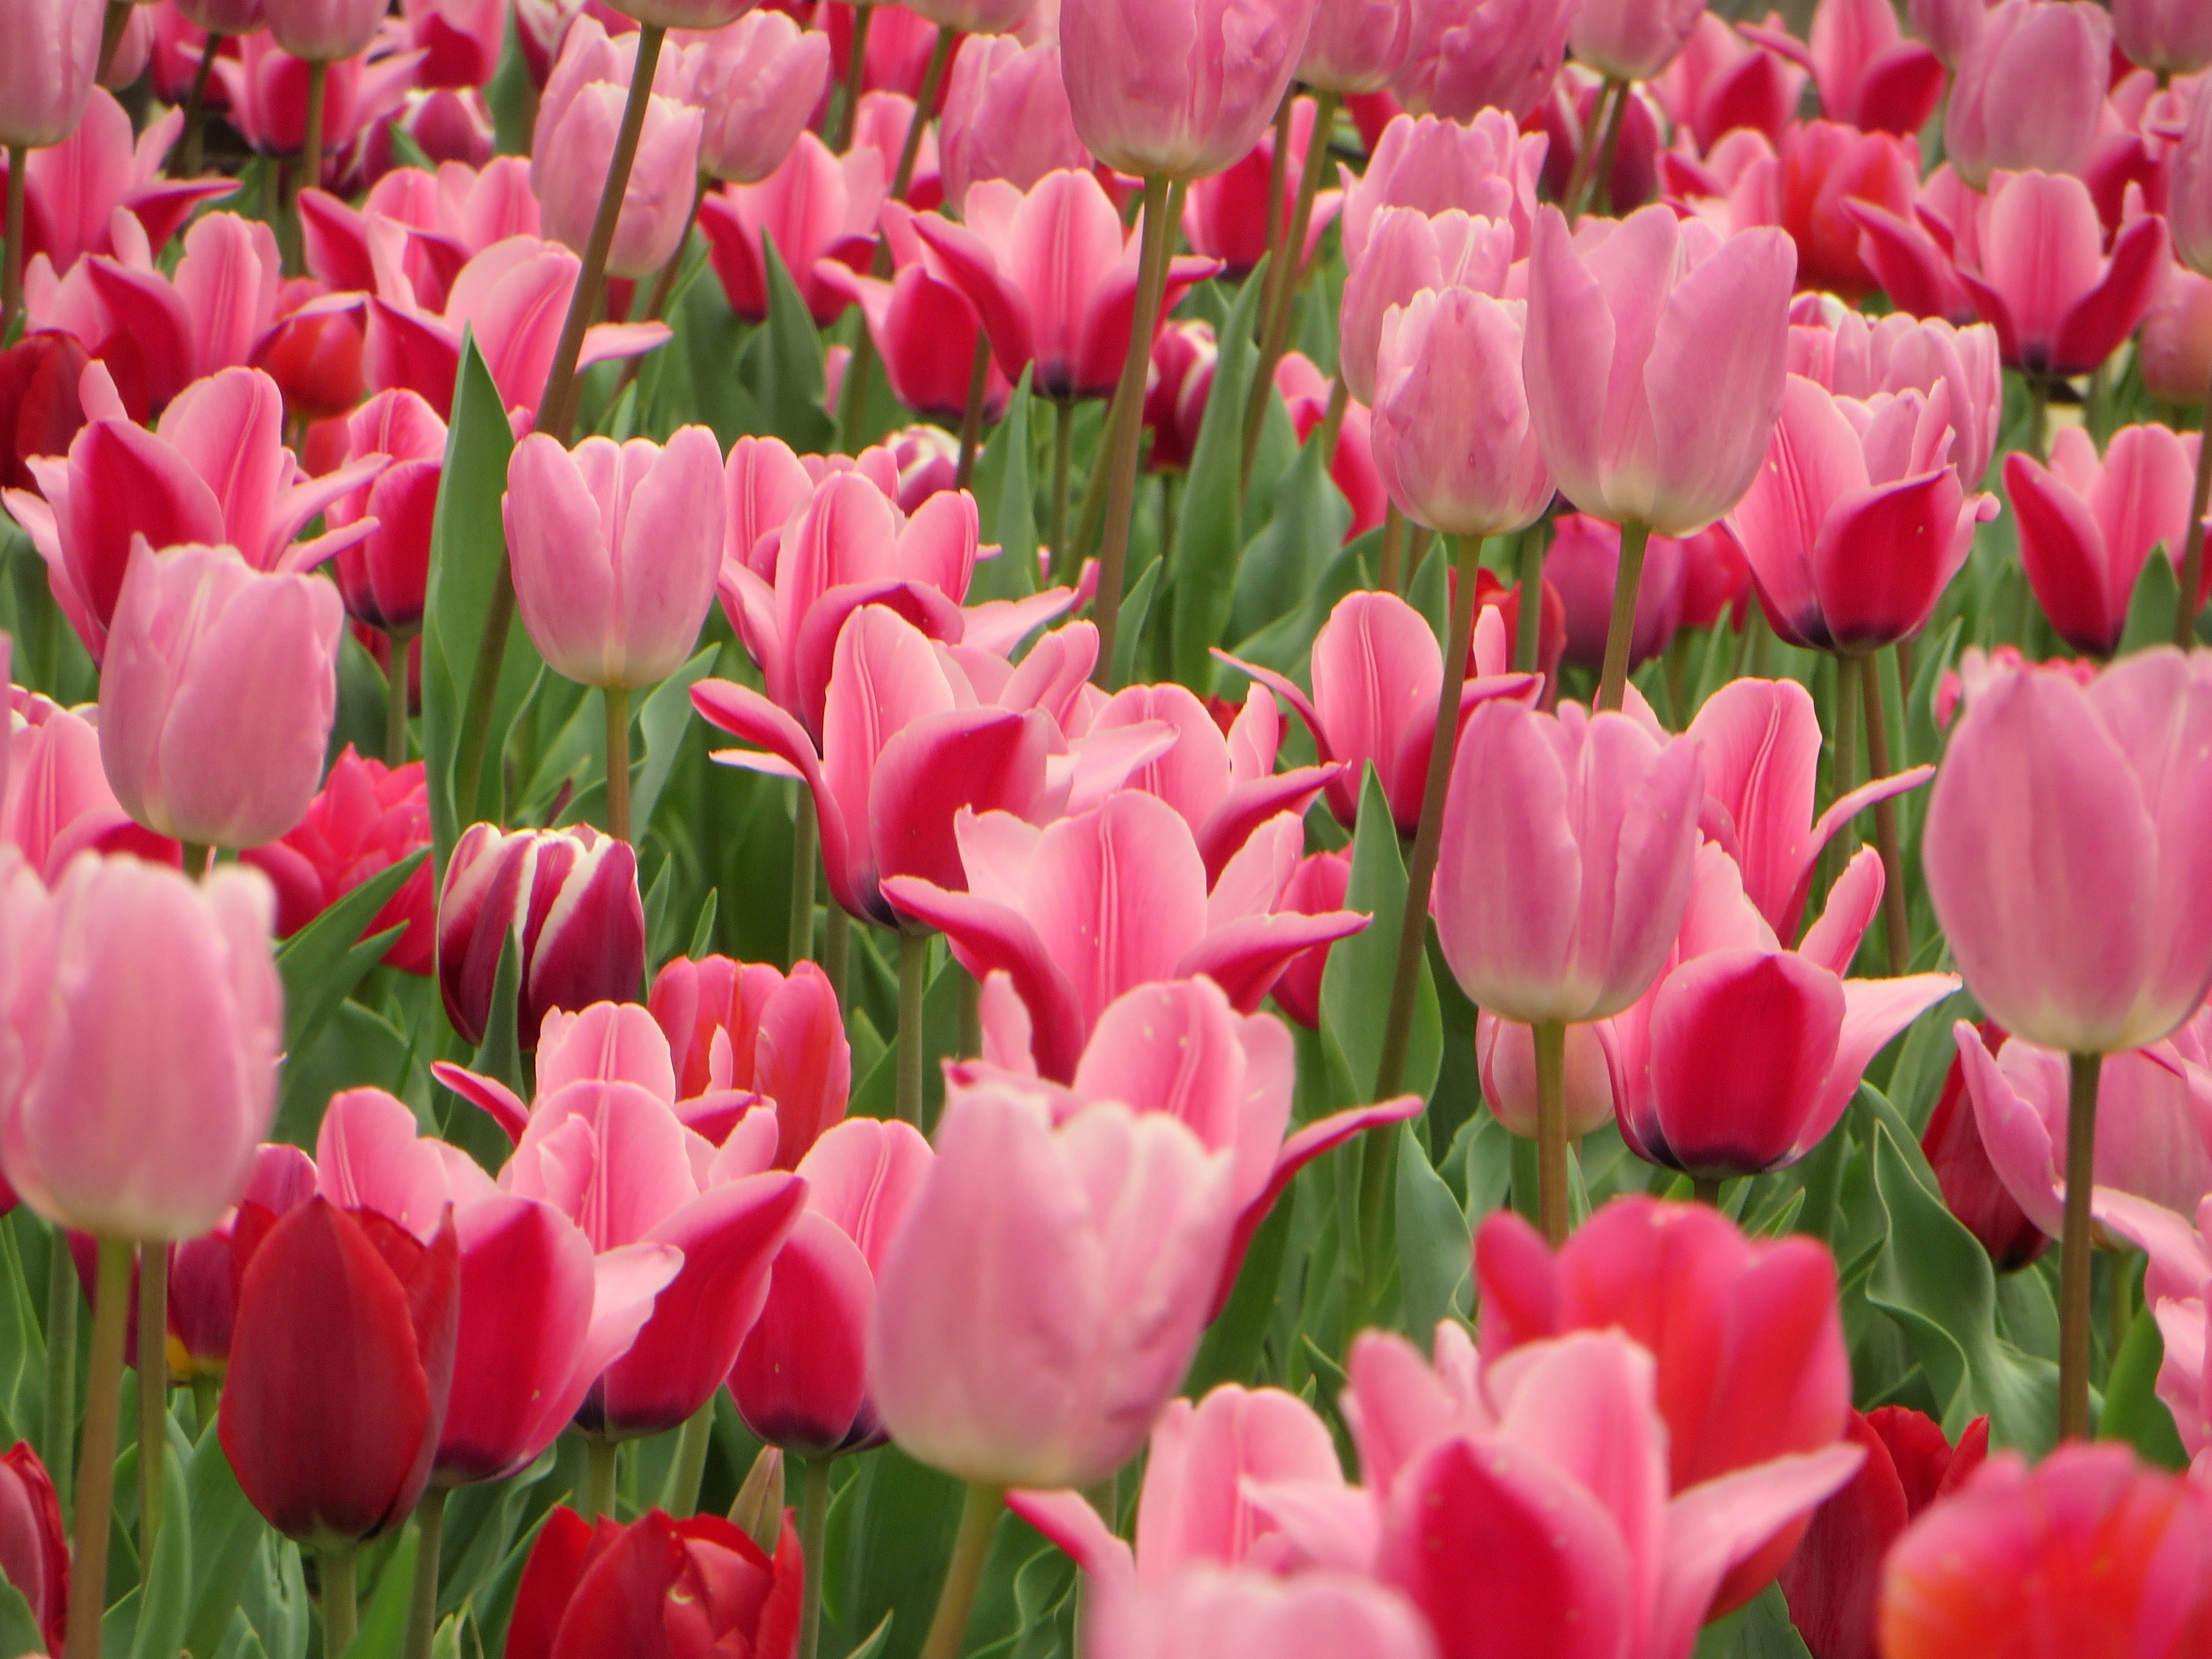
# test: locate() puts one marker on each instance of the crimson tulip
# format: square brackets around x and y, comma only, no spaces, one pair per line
[367,819]
[1971,1187]
[33,1544]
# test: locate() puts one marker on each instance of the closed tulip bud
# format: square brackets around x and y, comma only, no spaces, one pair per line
[1408,251]
[53,54]
[33,1544]
[616,549]
[567,897]
[1356,45]
[216,696]
[2190,193]
[385,579]
[758,80]
[1632,39]
[2168,37]
[1178,88]
[1493,54]
[324,31]
[2175,347]
[140,1015]
[1005,117]
[1949,27]
[2029,90]
[574,143]
[1505,1054]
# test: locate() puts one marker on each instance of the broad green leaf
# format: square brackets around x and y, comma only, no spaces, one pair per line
[382,1633]
[239,1641]
[1202,577]
[23,1344]
[1005,487]
[1136,622]
[1302,536]
[2133,1411]
[1429,590]
[1758,1630]
[890,1537]
[709,340]
[322,962]
[227,1534]
[1355,987]
[357,1048]
[1435,1269]
[1923,743]
[166,1606]
[781,364]
[1230,1350]
[702,930]
[2151,607]
[1285,644]
[662,726]
[19,1628]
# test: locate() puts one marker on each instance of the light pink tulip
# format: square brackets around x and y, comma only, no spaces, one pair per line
[1492,54]
[814,206]
[1568,842]
[2029,90]
[2169,37]
[2078,797]
[324,31]
[1655,363]
[1356,45]
[73,187]
[1452,432]
[217,694]
[1005,117]
[1408,251]
[2191,192]
[2175,346]
[55,803]
[615,548]
[1484,168]
[1178,88]
[140,1017]
[758,80]
[447,218]
[1631,40]
[1045,1294]
[1854,357]
[1209,1614]
[1505,1054]
[1949,27]
[54,53]
[686,13]
[2178,1291]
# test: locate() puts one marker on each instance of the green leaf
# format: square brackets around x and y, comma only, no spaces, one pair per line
[500,1055]
[1923,744]
[1304,535]
[166,1605]
[890,1539]
[879,1643]
[2133,1411]
[1006,496]
[226,1535]
[710,338]
[18,1628]
[662,725]
[1430,591]
[1760,1629]
[1435,1267]
[702,930]
[239,1641]
[382,1633]
[1285,644]
[1355,987]
[1136,617]
[1230,1351]
[357,1048]
[781,365]
[322,962]
[22,1343]
[1202,578]
[2154,605]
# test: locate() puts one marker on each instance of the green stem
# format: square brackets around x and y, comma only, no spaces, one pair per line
[806,856]
[617,698]
[1706,1189]
[971,1547]
[813,1534]
[1392,555]
[914,980]
[602,1463]
[1845,770]
[11,282]
[1284,270]
[103,1401]
[311,144]
[2039,428]
[940,54]
[423,1599]
[1610,98]
[1551,1039]
[1064,567]
[395,699]
[199,859]
[1895,923]
[341,1610]
[2073,1316]
[971,1014]
[191,151]
[1528,619]
[207,1398]
[1279,177]
[1332,422]
[836,948]
[62,1297]
[153,1395]
[111,25]
[971,417]
[692,1445]
[856,66]
[1128,417]
[1613,683]
[2192,560]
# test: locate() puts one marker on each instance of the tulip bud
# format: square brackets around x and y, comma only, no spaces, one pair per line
[2029,90]
[2167,37]
[1984,1205]
[758,81]
[1356,45]
[46,75]
[1505,1053]
[1495,54]
[567,897]
[1005,117]
[33,1544]
[384,579]
[758,1509]
[324,31]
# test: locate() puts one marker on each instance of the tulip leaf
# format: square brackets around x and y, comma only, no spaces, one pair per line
[1434,1265]
[164,1604]
[1286,643]
[23,1344]
[1004,486]
[1294,550]
[1230,1350]
[890,1539]
[357,1048]
[500,1055]
[1429,591]
[2133,1411]
[1355,987]
[226,1535]
[782,364]
[2153,605]
[1202,575]
[241,1641]
[18,1628]
[274,1598]
[1760,1629]
[663,723]
[878,1642]
[383,1631]
[702,930]
[1137,608]
[322,962]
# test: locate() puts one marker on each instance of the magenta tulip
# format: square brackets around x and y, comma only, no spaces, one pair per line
[814,205]
[746,1026]
[204,1272]
[924,329]
[577,120]
[385,579]
[1005,117]
[1631,40]
[52,56]
[1493,54]
[758,80]
[2029,90]
[367,817]
[1224,217]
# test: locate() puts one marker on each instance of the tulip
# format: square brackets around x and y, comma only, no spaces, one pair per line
[1573,110]
[813,206]
[1855,358]
[924,329]
[2089,1552]
[34,1545]
[40,413]
[1356,45]
[266,88]
[2175,346]
[386,577]
[1505,1056]
[1006,116]
[1047,1288]
[2029,90]
[52,58]
[1857,522]
[324,31]
[574,143]
[1317,887]
[1826,175]
[1833,1583]
[567,897]
[1869,74]
[58,803]
[747,1026]
[758,80]
[1681,582]
[1949,27]
[1971,1190]
[2175,1288]
[681,1587]
[1629,41]
[312,350]
[1185,89]
[204,1272]
[1407,252]
[1721,81]
[2191,192]
[1494,54]
[801,1377]
[463,38]
[367,819]
[1225,217]
[1176,388]
[2163,36]
[1485,168]
[2086,524]
[455,214]
[1206,1611]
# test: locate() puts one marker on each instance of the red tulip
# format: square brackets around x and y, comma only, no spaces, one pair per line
[747,1026]
[205,1271]
[39,408]
[33,1544]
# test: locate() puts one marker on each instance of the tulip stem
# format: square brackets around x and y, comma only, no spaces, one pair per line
[971,417]
[111,25]
[617,701]
[1844,766]
[2073,1316]
[62,1297]
[1332,422]
[1550,1040]
[396,698]
[979,1515]
[971,1014]
[856,63]
[153,1395]
[341,1610]
[11,286]
[199,859]
[913,981]
[1591,172]
[1393,550]
[2039,421]
[1279,179]
[813,1534]
[423,1598]
[1063,460]
[1706,1190]
[1528,618]
[932,77]
[692,1446]
[836,948]
[1896,923]
[311,142]
[190,152]
[207,1398]
[1613,683]
[1284,275]
[1128,419]
[2192,560]
[103,1402]
[805,853]
[602,1464]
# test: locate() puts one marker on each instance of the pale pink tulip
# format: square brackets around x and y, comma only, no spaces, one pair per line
[53,54]
[1631,40]
[758,80]
[2029,90]
[1408,251]
[1854,357]
[1505,1054]
[1005,117]
[55,803]
[1484,168]
[2191,192]
[1490,55]
[1207,1613]
[1356,45]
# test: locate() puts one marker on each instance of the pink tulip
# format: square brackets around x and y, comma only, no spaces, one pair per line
[1318,887]
[1505,1054]
[462,37]
[928,458]
[448,219]
[615,548]
[1567,851]
[1103,900]
[140,1017]
[1356,45]
[266,89]
[574,142]
[747,1026]
[2177,1288]
[1722,80]
[2086,524]
[2029,90]
[217,694]
[2089,1553]
[1407,252]
[758,80]
[367,819]
[1949,27]
[1453,432]
[1005,117]
[924,331]
[54,801]
[1857,522]
[2175,346]
[73,187]
[801,1380]
[567,897]
[1485,168]
[1177,384]
[204,1272]
[1306,393]
[1053,276]
[1869,76]
[1182,88]
[1631,40]
[1854,358]
[2167,36]
[1655,364]
[812,207]
[1376,672]
[386,577]
[1047,1288]
[2191,192]
[1206,1613]
[324,31]
[2115,954]
[1493,54]
[2032,257]
[1225,217]
[53,55]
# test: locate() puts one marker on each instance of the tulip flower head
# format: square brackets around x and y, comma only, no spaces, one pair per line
[2029,90]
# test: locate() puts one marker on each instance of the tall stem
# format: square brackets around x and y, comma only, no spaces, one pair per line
[199,859]
[1391,559]
[311,147]
[806,854]
[2192,560]
[1284,270]
[1844,731]
[2038,427]
[940,54]
[1895,923]
[602,1463]
[11,282]
[1613,683]
[2073,1247]
[1064,568]
[971,1014]
[153,1395]
[1551,1038]
[692,1445]
[836,948]
[423,1597]
[813,1534]
[395,699]
[1599,135]
[1128,419]
[1528,618]
[111,25]
[103,1401]
[1706,1190]
[62,1297]
[617,698]
[971,417]
[970,1548]
[856,68]
[913,981]
[1332,421]
[1279,173]
[341,1610]
[188,153]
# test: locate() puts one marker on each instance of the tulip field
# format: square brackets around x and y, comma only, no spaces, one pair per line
[1105,830]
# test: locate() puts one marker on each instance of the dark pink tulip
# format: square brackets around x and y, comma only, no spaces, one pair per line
[1176,387]
[1913,256]
[367,819]
[574,140]
[1225,217]
[57,801]
[1570,112]
[34,1546]
[204,1272]
[924,331]
[40,413]
[747,1026]
[1318,888]
[801,1378]
[1722,80]
[569,899]
[72,188]
[758,80]
[266,89]
[1971,1190]
[384,579]
[1306,393]
[312,350]
[1631,40]
[814,206]
[1869,76]
[2119,953]
[1106,900]
[1005,117]
[2086,524]
[462,38]
[1485,168]
[2029,90]
[1053,276]
[448,219]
